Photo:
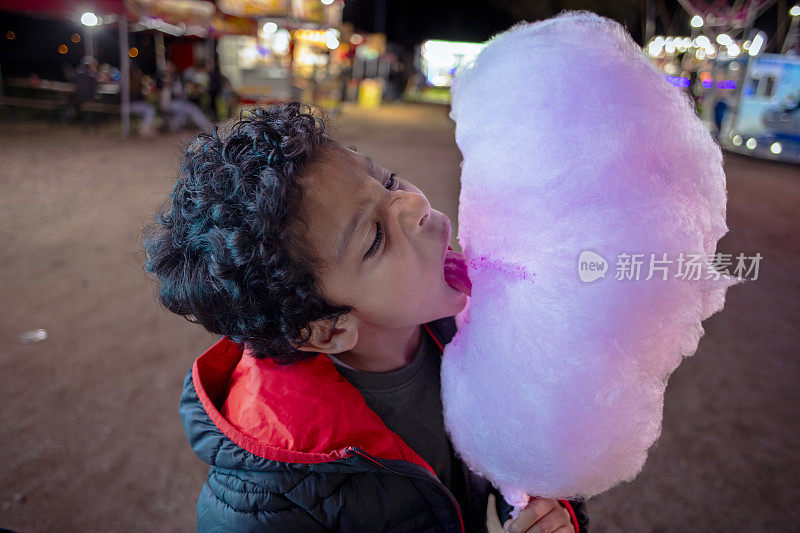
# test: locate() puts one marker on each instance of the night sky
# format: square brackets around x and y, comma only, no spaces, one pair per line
[411,21]
[407,23]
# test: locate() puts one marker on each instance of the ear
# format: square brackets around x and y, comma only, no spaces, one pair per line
[327,338]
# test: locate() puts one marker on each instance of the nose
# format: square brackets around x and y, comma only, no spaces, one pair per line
[413,209]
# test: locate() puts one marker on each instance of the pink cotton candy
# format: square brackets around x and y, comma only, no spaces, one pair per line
[573,141]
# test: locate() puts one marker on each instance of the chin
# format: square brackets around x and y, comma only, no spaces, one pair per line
[454,301]
[446,303]
[462,300]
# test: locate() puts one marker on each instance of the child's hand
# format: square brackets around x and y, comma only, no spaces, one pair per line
[541,516]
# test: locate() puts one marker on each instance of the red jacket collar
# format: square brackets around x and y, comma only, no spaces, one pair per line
[305,412]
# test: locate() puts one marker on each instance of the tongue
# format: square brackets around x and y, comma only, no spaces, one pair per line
[455,272]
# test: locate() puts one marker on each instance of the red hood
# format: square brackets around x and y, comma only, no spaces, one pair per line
[305,412]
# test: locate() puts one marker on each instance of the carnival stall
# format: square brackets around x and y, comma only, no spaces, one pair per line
[293,50]
[748,98]
[436,62]
[767,121]
[268,50]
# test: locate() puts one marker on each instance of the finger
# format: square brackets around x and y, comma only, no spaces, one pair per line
[539,507]
[552,521]
[565,529]
[536,509]
[515,526]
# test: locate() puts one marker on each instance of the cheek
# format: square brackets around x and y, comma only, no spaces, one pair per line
[406,284]
[416,285]
[410,269]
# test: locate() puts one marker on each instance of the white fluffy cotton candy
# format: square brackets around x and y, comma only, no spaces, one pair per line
[573,141]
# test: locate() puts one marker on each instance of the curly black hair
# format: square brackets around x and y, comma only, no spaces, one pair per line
[221,245]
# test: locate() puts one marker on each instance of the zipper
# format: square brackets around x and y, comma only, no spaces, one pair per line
[428,476]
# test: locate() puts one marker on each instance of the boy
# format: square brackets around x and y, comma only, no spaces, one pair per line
[319,409]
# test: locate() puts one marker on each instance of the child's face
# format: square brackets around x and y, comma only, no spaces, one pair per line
[402,284]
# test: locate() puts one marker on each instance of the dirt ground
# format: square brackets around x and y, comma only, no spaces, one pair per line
[91,439]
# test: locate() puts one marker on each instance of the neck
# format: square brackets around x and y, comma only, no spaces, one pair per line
[383,350]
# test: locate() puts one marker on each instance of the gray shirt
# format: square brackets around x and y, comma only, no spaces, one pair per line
[408,401]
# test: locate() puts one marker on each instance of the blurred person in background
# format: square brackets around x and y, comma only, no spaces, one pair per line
[85,87]
[104,73]
[230,98]
[195,82]
[720,109]
[792,104]
[172,100]
[67,72]
[397,80]
[220,86]
[139,104]
[214,89]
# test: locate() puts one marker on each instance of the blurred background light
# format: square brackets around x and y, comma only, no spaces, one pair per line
[724,39]
[331,42]
[89,19]
[755,46]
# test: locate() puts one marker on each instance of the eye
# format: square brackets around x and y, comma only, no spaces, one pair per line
[391,184]
[377,242]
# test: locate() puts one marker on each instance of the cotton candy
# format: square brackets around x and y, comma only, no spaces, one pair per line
[573,142]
